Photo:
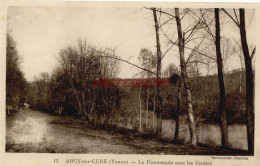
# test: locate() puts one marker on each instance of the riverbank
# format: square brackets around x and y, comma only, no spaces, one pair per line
[35,131]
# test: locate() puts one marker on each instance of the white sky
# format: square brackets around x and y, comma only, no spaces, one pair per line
[42,31]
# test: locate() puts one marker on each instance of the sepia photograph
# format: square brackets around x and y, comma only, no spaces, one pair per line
[143,80]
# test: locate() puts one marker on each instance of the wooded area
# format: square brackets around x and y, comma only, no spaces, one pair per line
[201,88]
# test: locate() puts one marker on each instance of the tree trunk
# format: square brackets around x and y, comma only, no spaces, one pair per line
[249,84]
[77,97]
[84,103]
[240,76]
[185,80]
[8,110]
[198,99]
[112,111]
[177,122]
[140,123]
[147,110]
[154,98]
[159,99]
[207,82]
[222,107]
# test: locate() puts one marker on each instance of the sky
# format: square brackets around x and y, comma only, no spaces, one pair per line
[41,32]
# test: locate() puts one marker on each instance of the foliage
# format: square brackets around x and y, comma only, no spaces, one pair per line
[16,85]
[69,89]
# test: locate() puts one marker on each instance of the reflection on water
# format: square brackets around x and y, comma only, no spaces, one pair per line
[209,134]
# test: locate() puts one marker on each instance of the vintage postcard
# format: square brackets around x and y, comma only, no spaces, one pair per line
[129,83]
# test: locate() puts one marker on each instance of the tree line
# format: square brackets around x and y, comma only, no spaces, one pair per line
[16,84]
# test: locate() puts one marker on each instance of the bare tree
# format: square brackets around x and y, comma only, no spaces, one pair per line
[159,57]
[146,57]
[249,76]
[181,45]
[186,37]
[249,82]
[216,39]
[224,132]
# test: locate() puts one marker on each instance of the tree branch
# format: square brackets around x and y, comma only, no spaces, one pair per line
[207,26]
[236,15]
[175,43]
[241,58]
[185,13]
[193,51]
[160,11]
[167,51]
[165,22]
[253,53]
[107,56]
[237,23]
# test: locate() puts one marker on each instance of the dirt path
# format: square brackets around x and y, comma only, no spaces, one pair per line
[35,131]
